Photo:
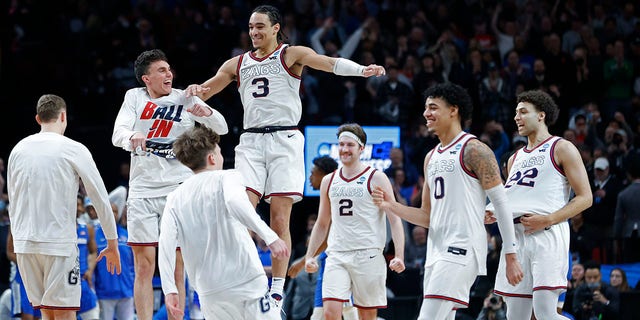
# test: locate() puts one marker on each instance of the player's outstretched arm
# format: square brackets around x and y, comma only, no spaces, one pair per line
[225,75]
[305,56]
[418,216]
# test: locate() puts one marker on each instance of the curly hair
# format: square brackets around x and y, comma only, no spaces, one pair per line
[325,163]
[542,102]
[454,95]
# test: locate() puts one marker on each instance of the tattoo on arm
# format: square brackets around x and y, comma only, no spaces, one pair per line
[479,158]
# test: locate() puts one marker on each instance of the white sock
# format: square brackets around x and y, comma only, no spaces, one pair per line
[277,286]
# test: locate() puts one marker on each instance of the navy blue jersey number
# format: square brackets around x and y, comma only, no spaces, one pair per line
[524,179]
[264,87]
[438,186]
[345,207]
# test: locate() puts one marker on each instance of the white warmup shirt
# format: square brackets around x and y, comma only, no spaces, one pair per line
[456,228]
[209,215]
[162,120]
[269,91]
[357,223]
[43,179]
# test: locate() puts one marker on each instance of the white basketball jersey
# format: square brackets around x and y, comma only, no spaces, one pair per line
[269,91]
[536,184]
[357,223]
[456,228]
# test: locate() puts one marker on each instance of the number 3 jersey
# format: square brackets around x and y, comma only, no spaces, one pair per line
[356,222]
[269,91]
[456,228]
[536,183]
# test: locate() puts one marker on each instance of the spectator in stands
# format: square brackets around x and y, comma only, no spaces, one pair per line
[600,215]
[618,280]
[398,161]
[627,215]
[582,238]
[577,279]
[618,75]
[595,298]
[495,97]
[415,251]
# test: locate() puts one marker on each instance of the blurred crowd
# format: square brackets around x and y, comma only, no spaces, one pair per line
[586,54]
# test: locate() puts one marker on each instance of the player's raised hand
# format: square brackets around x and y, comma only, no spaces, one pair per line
[199,110]
[279,249]
[396,264]
[195,90]
[373,70]
[311,265]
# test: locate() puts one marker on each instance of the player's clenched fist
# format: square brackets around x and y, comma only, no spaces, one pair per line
[397,265]
[279,249]
[311,265]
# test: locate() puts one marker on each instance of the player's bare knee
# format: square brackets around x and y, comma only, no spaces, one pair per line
[144,268]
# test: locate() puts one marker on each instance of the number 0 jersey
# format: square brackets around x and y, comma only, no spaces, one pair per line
[356,223]
[269,91]
[456,228]
[536,183]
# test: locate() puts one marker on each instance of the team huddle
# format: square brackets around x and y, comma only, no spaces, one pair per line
[190,215]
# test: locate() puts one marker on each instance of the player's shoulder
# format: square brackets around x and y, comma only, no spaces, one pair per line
[475,147]
[135,92]
[564,150]
[297,50]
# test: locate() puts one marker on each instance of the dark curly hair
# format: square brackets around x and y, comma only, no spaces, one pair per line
[454,95]
[326,164]
[543,102]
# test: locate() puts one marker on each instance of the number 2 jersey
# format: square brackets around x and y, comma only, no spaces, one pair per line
[269,91]
[456,229]
[536,183]
[357,223]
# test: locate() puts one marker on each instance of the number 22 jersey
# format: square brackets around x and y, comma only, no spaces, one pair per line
[536,183]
